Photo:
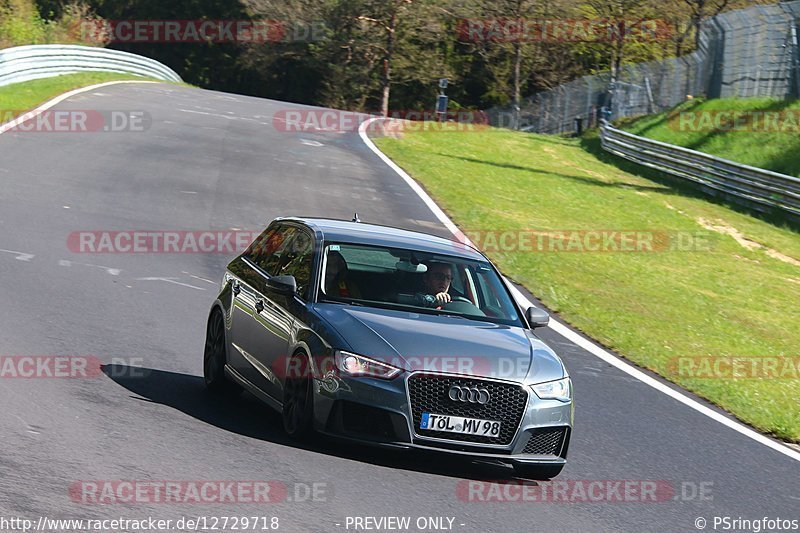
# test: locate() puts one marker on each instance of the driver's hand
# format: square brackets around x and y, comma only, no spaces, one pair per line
[442,298]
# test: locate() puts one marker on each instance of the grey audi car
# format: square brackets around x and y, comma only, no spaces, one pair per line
[389,337]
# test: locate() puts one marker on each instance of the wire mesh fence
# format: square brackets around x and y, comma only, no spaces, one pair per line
[744,53]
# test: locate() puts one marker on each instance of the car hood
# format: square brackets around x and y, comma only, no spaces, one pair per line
[435,343]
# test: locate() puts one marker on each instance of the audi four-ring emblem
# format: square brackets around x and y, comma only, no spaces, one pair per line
[469,394]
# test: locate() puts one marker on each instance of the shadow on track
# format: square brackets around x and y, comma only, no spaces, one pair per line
[247,416]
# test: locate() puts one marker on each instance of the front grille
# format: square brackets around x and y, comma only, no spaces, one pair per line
[429,394]
[545,442]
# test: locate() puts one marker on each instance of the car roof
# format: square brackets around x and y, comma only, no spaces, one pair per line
[362,233]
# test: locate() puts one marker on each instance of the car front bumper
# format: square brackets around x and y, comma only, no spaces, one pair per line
[379,412]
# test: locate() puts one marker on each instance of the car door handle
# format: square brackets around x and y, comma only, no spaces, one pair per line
[259,306]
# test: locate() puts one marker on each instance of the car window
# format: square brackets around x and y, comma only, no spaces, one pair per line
[410,280]
[270,247]
[295,258]
[285,250]
[492,293]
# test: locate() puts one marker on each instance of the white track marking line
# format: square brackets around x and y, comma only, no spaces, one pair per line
[229,116]
[171,280]
[21,256]
[57,100]
[109,270]
[310,143]
[201,279]
[570,335]
[217,115]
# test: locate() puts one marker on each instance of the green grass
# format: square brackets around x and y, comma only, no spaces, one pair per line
[17,98]
[722,300]
[755,145]
[22,24]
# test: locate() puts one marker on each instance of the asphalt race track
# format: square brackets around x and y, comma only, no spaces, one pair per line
[212,161]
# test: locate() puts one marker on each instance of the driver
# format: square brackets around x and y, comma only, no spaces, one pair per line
[435,285]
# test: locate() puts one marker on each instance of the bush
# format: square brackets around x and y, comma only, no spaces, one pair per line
[21,24]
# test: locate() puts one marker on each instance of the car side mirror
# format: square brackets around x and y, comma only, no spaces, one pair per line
[537,318]
[285,285]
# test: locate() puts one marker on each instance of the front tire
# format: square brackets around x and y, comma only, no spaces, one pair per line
[214,359]
[537,472]
[298,399]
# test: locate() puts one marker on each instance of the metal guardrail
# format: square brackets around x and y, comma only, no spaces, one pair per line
[24,63]
[763,189]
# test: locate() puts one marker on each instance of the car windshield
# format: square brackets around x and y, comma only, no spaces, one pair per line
[416,281]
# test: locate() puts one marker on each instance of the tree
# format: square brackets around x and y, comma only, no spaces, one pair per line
[516,46]
[402,38]
[625,15]
[369,48]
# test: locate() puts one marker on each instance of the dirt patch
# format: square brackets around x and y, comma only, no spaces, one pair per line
[783,257]
[720,226]
[672,207]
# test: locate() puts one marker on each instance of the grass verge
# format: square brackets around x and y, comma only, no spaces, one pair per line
[18,98]
[767,134]
[724,285]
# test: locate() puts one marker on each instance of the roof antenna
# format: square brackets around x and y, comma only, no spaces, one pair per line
[355,218]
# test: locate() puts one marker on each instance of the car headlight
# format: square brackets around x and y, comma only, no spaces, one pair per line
[358,365]
[560,390]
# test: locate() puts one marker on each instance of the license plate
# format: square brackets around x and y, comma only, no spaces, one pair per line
[459,424]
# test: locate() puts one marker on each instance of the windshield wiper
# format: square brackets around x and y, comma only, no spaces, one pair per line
[464,317]
[342,302]
[473,318]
